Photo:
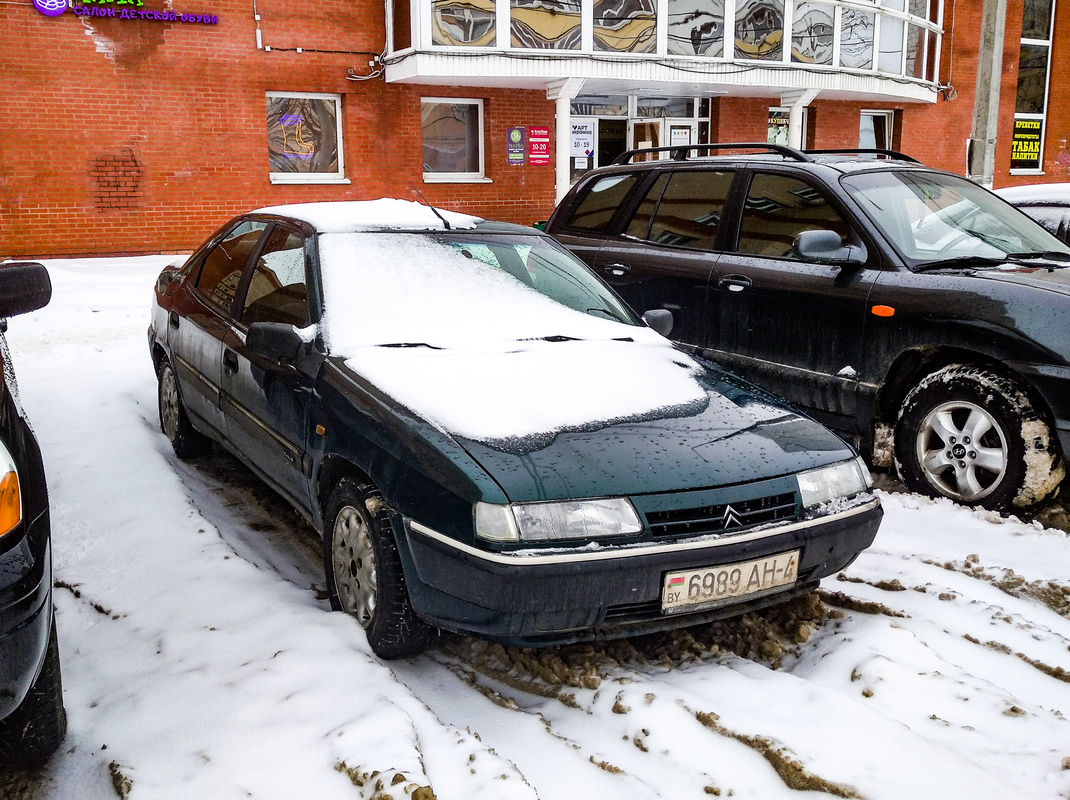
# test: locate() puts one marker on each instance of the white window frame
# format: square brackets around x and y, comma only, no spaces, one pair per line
[338,176]
[1042,117]
[887,115]
[459,177]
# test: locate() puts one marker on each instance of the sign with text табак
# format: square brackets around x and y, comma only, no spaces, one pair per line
[1025,144]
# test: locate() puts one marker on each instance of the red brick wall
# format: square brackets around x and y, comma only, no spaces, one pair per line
[145,136]
[131,136]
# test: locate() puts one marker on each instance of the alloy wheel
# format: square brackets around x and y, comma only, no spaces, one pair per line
[962,450]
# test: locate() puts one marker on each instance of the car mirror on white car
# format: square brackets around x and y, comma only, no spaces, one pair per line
[659,319]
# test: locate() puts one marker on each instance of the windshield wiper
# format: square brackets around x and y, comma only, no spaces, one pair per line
[959,262]
[1048,255]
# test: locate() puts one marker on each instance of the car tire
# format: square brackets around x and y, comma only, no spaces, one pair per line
[33,731]
[975,436]
[186,440]
[364,573]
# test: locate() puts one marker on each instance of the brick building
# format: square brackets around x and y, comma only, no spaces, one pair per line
[138,126]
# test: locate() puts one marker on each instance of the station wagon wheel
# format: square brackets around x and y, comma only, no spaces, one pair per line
[963,450]
[975,436]
[186,440]
[364,573]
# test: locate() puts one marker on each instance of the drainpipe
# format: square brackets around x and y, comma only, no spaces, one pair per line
[796,100]
[563,92]
[981,146]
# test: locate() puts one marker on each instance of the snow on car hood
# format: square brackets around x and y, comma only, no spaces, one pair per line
[371,215]
[483,356]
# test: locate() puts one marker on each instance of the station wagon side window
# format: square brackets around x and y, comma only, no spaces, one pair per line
[688,213]
[222,269]
[277,290]
[778,208]
[597,208]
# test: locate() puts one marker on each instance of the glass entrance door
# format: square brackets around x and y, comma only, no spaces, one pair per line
[645,133]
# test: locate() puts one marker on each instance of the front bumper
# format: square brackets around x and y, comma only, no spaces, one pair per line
[567,596]
[25,617]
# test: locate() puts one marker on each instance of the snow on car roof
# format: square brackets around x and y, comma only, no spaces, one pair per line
[1037,194]
[465,345]
[371,215]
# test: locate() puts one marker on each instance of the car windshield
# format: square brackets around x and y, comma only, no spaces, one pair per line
[461,288]
[933,217]
[542,265]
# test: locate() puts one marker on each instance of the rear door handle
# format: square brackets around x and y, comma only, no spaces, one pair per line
[230,360]
[172,319]
[616,269]
[735,283]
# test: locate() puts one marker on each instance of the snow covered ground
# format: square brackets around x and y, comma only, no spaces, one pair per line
[200,659]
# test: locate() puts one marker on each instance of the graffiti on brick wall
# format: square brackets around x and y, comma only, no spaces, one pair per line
[116,180]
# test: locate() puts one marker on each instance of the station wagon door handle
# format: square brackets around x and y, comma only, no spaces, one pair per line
[230,361]
[616,269]
[172,319]
[735,283]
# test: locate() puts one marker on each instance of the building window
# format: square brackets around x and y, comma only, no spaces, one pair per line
[1031,102]
[875,130]
[305,138]
[452,139]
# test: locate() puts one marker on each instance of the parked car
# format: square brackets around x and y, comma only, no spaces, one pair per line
[487,439]
[32,719]
[1047,203]
[908,308]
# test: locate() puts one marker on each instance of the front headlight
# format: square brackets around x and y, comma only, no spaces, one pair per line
[10,493]
[821,485]
[560,521]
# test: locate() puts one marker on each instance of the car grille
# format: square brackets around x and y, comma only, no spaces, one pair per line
[722,517]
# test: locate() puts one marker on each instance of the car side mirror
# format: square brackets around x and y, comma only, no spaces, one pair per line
[24,287]
[827,247]
[659,319]
[275,341]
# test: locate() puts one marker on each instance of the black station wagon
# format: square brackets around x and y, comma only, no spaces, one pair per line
[908,308]
[32,719]
[489,441]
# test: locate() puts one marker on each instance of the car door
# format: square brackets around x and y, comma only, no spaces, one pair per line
[669,249]
[794,327]
[266,402]
[585,226]
[198,323]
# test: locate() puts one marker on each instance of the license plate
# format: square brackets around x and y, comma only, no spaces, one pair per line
[709,587]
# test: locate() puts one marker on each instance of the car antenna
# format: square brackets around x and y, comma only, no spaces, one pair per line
[433,209]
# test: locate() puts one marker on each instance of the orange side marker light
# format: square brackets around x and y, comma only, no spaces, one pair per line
[10,502]
[882,311]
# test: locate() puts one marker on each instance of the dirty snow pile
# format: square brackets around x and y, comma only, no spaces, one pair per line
[200,660]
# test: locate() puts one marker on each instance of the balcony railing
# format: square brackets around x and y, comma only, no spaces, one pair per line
[892,38]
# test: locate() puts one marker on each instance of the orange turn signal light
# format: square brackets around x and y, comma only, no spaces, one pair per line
[10,502]
[882,311]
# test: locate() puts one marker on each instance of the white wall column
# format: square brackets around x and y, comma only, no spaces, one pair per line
[796,101]
[563,92]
